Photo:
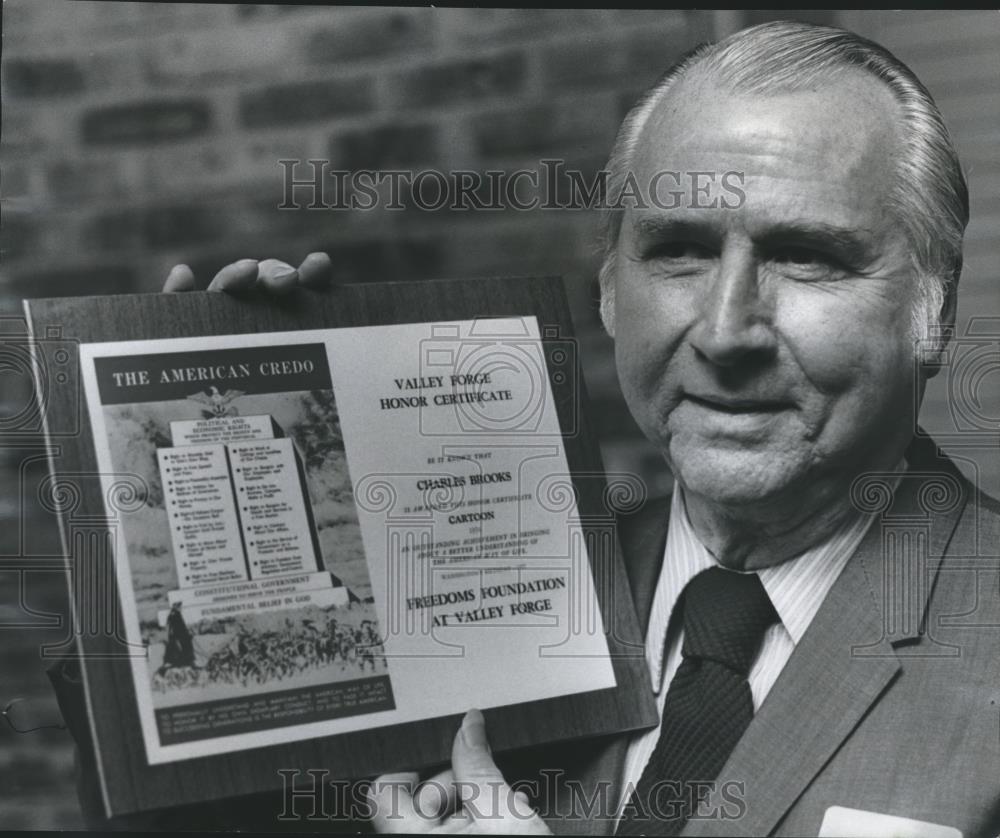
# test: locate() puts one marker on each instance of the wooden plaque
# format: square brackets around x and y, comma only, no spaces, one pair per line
[130,783]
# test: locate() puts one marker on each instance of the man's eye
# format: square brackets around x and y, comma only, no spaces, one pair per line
[679,250]
[806,262]
[803,256]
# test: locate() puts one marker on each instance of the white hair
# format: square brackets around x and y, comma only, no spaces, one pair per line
[930,198]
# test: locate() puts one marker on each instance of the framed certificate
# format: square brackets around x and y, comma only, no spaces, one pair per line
[315,531]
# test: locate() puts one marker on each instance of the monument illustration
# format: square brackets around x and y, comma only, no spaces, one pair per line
[241,522]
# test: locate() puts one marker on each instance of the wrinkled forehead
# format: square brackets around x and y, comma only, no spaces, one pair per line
[827,151]
[845,120]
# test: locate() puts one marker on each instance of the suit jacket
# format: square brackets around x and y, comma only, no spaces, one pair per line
[890,703]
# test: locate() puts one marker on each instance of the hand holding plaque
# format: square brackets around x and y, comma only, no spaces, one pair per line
[271,275]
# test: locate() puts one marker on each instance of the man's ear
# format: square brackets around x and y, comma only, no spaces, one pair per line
[608,308]
[944,331]
[606,281]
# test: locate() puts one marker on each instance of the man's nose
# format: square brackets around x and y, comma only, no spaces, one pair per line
[735,320]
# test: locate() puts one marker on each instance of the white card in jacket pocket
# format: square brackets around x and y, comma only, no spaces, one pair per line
[841,822]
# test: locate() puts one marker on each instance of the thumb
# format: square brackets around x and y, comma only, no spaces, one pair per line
[488,804]
[478,782]
[471,758]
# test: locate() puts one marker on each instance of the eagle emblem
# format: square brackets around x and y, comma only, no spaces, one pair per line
[216,404]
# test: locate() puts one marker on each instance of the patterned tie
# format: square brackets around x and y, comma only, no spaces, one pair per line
[708,705]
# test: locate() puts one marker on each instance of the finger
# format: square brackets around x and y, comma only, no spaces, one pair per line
[391,799]
[489,804]
[277,277]
[436,797]
[479,784]
[180,278]
[237,276]
[471,759]
[316,271]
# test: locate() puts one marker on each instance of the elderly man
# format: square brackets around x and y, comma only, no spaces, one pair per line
[814,675]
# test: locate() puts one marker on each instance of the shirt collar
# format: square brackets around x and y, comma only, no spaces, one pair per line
[684,557]
[797,587]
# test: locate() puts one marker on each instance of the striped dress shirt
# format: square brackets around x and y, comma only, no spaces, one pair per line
[797,588]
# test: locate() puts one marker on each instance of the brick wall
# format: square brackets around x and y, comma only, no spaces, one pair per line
[141,135]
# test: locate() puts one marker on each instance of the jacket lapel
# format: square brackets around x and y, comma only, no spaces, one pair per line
[847,658]
[820,696]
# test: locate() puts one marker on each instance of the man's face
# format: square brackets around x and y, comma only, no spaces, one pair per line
[767,347]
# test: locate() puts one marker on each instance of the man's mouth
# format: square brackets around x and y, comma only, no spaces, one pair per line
[736,406]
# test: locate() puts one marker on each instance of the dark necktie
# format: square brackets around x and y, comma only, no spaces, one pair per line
[708,705]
